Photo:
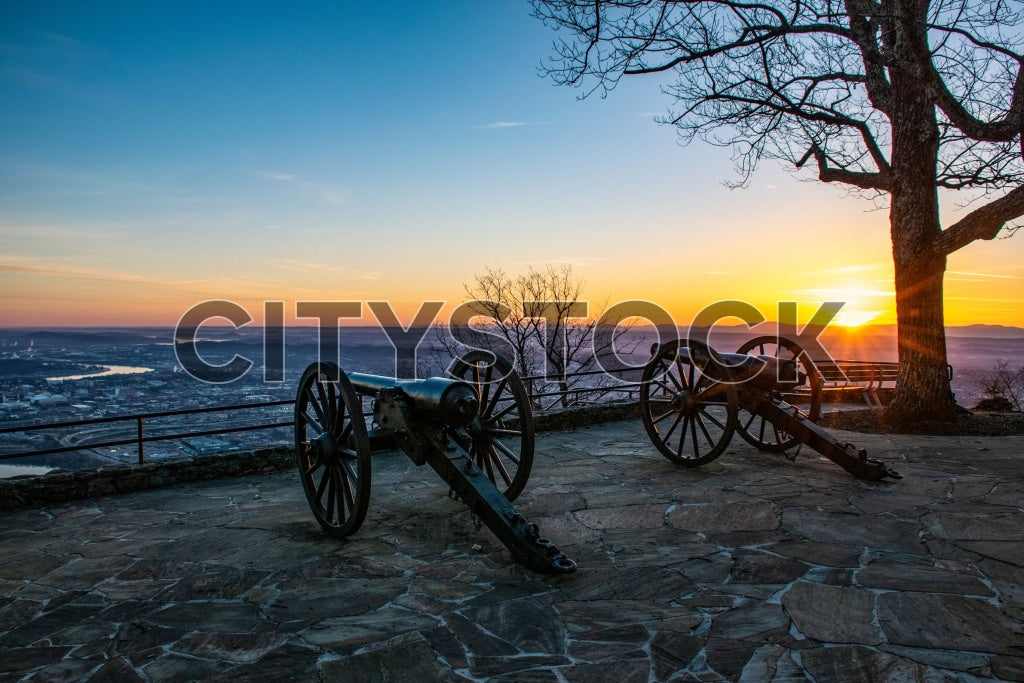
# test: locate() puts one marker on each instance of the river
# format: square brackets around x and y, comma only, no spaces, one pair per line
[110,370]
[15,470]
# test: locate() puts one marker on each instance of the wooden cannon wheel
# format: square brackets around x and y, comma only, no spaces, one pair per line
[332,448]
[500,438]
[761,432]
[689,415]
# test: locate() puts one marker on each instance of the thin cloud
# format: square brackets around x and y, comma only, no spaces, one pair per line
[331,194]
[577,262]
[985,299]
[846,270]
[307,266]
[274,175]
[505,124]
[119,278]
[974,275]
[844,292]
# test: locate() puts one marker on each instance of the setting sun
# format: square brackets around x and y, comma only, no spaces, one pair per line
[855,318]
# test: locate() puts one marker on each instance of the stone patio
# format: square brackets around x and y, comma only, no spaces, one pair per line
[752,567]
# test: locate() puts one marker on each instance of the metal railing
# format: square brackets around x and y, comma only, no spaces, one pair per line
[542,397]
[142,438]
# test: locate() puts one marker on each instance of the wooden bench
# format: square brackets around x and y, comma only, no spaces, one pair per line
[869,378]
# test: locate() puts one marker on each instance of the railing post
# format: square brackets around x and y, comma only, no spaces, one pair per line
[142,446]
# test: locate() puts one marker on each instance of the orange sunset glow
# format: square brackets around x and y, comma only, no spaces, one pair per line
[143,174]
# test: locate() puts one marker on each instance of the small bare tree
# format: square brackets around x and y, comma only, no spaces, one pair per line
[1003,387]
[542,319]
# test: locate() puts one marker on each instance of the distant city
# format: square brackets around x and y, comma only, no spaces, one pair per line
[57,376]
[67,375]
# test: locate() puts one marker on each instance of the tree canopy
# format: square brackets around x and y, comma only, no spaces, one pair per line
[898,99]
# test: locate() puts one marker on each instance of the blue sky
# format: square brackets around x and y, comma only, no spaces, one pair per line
[156,154]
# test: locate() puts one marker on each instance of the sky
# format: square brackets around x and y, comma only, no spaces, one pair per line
[155,155]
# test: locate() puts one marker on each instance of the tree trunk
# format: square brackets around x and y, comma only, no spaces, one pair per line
[922,389]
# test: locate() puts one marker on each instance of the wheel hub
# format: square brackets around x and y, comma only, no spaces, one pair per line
[684,402]
[323,448]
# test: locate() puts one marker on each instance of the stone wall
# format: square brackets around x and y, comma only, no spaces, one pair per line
[61,485]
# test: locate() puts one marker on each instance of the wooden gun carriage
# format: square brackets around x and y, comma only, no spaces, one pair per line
[693,399]
[474,428]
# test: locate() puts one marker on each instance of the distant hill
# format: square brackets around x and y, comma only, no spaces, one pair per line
[987,331]
[965,331]
[78,337]
[373,335]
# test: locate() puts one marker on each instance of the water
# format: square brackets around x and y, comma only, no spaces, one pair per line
[17,470]
[110,370]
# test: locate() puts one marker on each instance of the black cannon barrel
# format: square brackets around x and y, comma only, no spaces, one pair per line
[764,372]
[450,401]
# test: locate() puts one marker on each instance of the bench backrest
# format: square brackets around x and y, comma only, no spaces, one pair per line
[857,372]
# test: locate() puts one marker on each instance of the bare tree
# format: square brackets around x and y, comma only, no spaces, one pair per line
[897,99]
[1003,387]
[542,319]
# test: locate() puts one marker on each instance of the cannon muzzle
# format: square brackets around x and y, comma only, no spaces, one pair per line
[451,402]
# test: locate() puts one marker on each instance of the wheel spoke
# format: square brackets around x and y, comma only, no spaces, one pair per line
[668,434]
[760,432]
[661,417]
[329,516]
[494,399]
[322,485]
[666,371]
[317,408]
[330,407]
[504,411]
[682,434]
[694,419]
[707,435]
[709,393]
[667,390]
[484,387]
[337,409]
[311,422]
[323,403]
[485,462]
[498,465]
[347,479]
[506,450]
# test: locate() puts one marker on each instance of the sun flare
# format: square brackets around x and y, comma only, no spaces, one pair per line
[855,318]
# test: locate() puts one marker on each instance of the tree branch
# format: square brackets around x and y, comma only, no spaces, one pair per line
[984,223]
[828,174]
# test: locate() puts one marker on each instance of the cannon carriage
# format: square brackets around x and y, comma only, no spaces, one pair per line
[474,428]
[693,399]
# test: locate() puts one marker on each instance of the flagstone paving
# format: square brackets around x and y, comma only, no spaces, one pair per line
[752,567]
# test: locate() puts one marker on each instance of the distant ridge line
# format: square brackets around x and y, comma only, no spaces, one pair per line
[148,334]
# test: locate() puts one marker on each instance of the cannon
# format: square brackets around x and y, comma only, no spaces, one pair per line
[474,428]
[693,399]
